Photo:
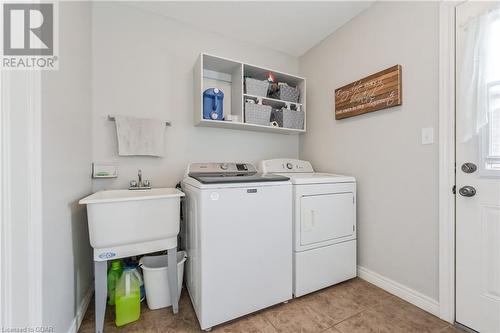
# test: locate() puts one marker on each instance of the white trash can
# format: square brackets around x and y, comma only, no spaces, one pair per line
[154,270]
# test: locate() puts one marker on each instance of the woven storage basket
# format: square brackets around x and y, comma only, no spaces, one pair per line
[256,87]
[257,114]
[289,94]
[293,119]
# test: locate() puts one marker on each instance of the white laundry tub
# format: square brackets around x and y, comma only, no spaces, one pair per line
[124,222]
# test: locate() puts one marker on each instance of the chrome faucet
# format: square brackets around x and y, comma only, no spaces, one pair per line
[139,175]
[140,184]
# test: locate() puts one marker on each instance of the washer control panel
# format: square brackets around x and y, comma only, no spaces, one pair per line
[285,165]
[222,168]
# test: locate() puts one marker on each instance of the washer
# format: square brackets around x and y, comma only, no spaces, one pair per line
[238,236]
[324,224]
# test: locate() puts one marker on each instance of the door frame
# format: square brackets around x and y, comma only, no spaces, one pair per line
[32,87]
[447,159]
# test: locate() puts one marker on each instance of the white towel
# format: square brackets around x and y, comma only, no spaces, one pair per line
[139,136]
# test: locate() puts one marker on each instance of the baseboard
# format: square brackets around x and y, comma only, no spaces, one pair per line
[82,309]
[414,297]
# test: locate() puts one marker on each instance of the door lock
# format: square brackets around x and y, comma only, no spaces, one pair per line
[467,191]
[469,167]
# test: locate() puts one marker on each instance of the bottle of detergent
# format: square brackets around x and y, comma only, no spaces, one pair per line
[134,269]
[114,274]
[127,299]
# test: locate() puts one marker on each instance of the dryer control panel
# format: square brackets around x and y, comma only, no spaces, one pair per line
[284,165]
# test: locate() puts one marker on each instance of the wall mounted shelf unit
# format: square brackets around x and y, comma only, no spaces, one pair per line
[229,76]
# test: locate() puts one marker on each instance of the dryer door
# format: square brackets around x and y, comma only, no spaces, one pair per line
[326,217]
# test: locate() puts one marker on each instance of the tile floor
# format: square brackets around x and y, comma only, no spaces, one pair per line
[349,307]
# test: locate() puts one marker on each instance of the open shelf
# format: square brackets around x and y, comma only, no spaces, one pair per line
[247,126]
[275,103]
[228,76]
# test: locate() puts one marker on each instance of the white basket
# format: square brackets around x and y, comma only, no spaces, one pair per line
[257,114]
[289,94]
[154,271]
[256,87]
[293,119]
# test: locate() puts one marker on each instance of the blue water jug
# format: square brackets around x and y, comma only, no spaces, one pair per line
[213,100]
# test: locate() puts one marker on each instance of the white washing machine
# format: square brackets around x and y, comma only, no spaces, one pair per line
[324,224]
[238,236]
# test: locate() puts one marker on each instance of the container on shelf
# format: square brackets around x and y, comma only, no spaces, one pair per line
[213,101]
[289,94]
[293,119]
[233,117]
[257,114]
[256,87]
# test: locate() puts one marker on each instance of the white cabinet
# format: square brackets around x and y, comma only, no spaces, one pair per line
[229,76]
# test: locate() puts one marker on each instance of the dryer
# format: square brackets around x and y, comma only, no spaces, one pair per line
[324,224]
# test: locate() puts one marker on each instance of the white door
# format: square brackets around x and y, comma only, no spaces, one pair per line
[326,217]
[478,166]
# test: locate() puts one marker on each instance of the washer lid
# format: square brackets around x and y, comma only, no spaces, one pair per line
[248,178]
[318,178]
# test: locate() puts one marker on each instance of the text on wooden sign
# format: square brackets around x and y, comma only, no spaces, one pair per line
[375,92]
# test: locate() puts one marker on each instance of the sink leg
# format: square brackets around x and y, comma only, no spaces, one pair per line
[101,292]
[172,279]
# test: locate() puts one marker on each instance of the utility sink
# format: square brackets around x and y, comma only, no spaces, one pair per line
[124,223]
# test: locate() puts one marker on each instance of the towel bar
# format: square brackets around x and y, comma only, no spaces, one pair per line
[112,118]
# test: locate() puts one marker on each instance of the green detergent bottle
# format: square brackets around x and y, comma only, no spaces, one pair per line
[114,274]
[127,299]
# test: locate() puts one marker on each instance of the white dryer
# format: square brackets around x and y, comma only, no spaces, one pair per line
[324,224]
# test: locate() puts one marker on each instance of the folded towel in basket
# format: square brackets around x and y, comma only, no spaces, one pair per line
[140,136]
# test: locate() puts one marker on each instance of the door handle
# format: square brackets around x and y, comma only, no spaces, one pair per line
[308,223]
[467,191]
[469,167]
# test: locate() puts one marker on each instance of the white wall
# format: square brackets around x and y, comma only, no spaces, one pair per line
[66,158]
[142,65]
[397,176]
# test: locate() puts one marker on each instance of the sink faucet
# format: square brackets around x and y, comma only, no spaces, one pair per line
[139,175]
[140,184]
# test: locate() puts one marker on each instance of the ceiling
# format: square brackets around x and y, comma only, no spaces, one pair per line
[292,27]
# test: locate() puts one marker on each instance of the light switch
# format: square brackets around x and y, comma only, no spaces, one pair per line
[427,135]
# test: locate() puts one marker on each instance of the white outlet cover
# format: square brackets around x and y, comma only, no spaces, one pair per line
[427,135]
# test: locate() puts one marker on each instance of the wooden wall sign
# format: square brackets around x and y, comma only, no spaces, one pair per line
[375,92]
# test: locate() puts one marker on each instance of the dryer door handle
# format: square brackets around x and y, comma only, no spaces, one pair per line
[308,222]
